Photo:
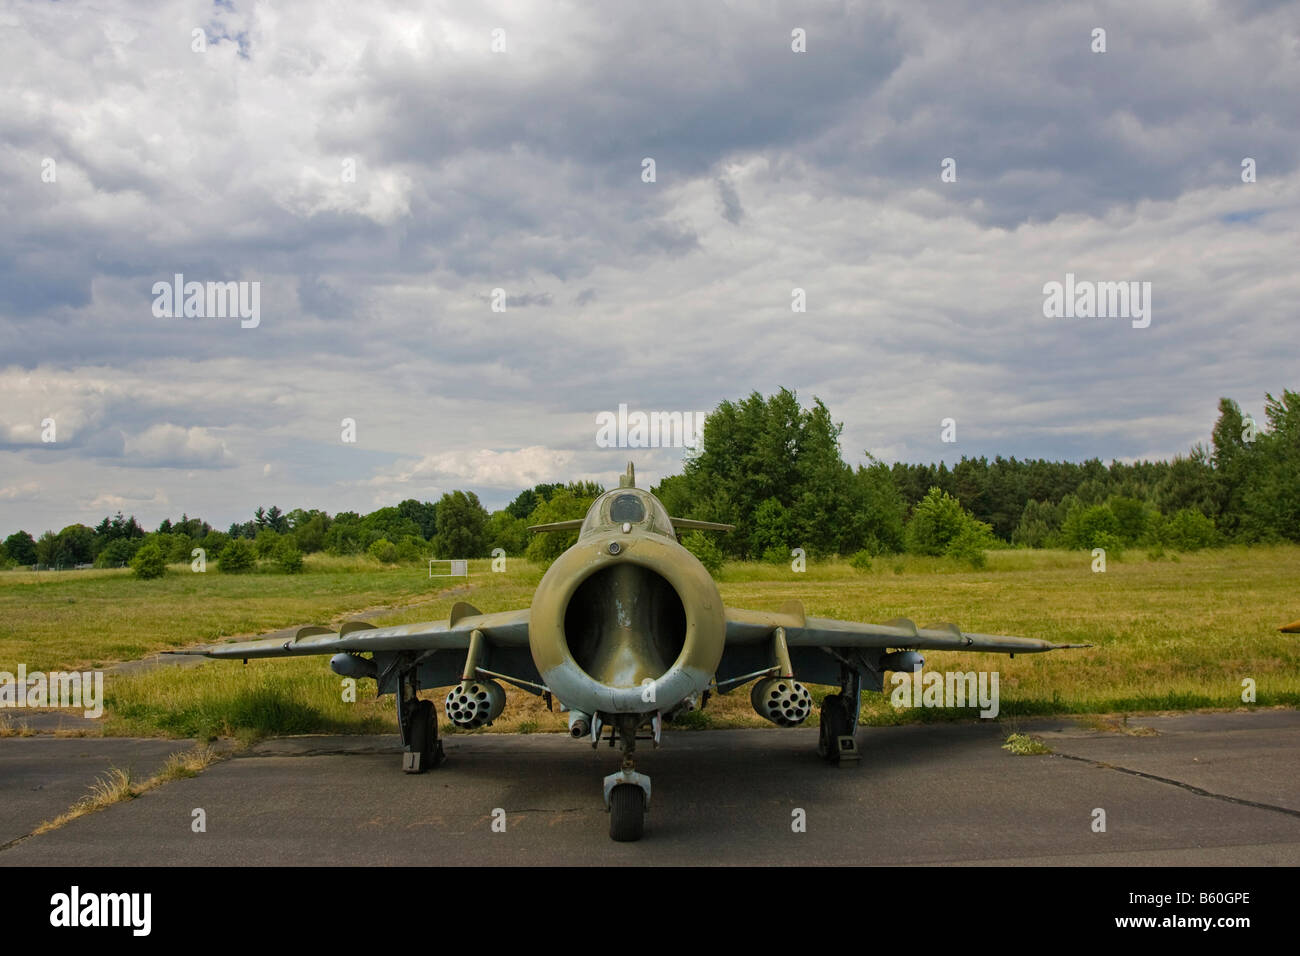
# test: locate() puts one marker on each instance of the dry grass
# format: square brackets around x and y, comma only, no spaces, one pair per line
[11,727]
[117,785]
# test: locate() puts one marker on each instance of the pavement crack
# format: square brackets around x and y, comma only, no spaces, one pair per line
[1198,791]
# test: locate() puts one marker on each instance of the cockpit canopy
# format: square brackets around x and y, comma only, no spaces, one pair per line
[628,506]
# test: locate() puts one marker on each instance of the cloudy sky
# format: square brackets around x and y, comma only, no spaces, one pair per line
[380,169]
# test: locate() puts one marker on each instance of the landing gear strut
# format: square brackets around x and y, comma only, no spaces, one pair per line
[836,742]
[418,722]
[627,793]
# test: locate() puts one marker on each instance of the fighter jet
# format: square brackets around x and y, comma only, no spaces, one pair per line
[626,631]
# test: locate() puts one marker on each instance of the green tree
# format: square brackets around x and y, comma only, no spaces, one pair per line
[1188,482]
[507,532]
[238,557]
[705,550]
[287,556]
[768,448]
[1085,525]
[564,505]
[214,542]
[771,529]
[21,547]
[389,523]
[1270,486]
[1038,524]
[345,534]
[1189,530]
[462,526]
[876,519]
[149,562]
[266,543]
[76,545]
[118,553]
[1231,461]
[423,513]
[527,501]
[309,532]
[1131,517]
[412,549]
[936,522]
[383,551]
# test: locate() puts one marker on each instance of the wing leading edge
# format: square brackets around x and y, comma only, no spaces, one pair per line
[503,629]
[755,627]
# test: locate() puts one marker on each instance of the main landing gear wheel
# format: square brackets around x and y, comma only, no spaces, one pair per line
[626,813]
[424,741]
[834,725]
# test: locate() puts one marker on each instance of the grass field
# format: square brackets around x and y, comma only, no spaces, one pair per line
[1178,633]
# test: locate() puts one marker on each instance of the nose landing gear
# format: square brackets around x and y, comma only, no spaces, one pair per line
[627,793]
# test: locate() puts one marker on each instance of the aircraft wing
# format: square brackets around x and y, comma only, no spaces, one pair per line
[503,629]
[755,627]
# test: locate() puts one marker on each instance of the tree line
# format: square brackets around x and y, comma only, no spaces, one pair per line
[774,469]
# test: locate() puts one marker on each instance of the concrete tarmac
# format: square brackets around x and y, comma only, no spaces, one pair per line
[1216,789]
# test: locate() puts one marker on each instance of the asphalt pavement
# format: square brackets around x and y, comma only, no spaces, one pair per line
[1195,789]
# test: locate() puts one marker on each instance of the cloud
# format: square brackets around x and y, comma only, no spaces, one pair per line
[729,201]
[170,446]
[485,468]
[380,175]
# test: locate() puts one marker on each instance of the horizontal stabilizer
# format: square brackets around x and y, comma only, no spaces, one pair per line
[690,524]
[571,525]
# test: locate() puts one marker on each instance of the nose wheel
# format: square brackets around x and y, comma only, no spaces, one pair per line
[626,813]
[627,793]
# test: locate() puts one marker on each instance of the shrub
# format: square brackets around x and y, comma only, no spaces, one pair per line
[266,543]
[861,560]
[704,548]
[776,554]
[383,551]
[1111,543]
[149,562]
[178,547]
[936,522]
[970,544]
[1084,527]
[941,526]
[413,550]
[119,552]
[288,558]
[237,557]
[1189,530]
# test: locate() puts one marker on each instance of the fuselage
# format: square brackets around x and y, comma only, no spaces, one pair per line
[626,621]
